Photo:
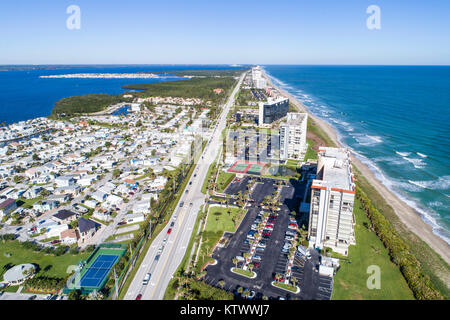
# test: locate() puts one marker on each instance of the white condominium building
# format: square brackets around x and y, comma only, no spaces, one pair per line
[258,81]
[293,136]
[332,196]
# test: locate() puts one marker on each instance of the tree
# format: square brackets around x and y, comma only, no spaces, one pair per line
[294,281]
[235,261]
[75,295]
[222,283]
[116,173]
[278,277]
[240,290]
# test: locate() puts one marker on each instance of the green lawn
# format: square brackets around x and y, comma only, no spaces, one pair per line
[224,179]
[245,273]
[310,152]
[350,280]
[220,220]
[285,286]
[205,183]
[51,266]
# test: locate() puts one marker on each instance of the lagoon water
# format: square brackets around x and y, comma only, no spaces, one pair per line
[23,95]
[394,118]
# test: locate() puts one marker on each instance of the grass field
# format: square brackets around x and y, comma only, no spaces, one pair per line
[208,175]
[245,273]
[310,152]
[224,179]
[218,222]
[51,266]
[350,280]
[432,264]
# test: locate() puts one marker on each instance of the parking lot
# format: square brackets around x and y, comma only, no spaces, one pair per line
[272,259]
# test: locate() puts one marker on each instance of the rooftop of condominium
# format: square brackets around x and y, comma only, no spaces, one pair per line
[334,169]
[295,119]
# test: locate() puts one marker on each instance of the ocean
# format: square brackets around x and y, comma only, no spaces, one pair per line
[396,119]
[24,95]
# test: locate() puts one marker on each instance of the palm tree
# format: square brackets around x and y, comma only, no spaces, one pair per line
[222,283]
[240,290]
[278,277]
[251,266]
[246,293]
[235,261]
[294,281]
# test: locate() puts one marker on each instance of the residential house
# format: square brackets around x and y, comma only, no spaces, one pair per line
[69,236]
[65,216]
[87,229]
[7,206]
[64,181]
[45,205]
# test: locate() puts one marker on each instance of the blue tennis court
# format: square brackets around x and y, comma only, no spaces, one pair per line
[98,270]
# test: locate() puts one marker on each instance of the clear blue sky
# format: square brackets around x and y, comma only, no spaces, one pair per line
[209,32]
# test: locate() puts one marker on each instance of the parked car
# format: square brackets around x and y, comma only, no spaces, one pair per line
[289,238]
[256,265]
[261,244]
[256,258]
[139,296]
[33,297]
[287,245]
[260,249]
[121,223]
[55,241]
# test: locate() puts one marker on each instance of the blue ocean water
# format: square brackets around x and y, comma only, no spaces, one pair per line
[395,118]
[23,95]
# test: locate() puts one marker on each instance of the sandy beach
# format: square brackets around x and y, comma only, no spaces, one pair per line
[410,217]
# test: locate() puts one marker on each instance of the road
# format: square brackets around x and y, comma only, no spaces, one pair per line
[171,248]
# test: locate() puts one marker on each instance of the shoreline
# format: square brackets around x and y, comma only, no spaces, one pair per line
[410,217]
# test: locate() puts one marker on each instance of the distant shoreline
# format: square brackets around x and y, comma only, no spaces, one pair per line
[408,215]
[104,76]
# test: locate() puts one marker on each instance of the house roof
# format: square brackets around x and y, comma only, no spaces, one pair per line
[64,214]
[6,203]
[84,225]
[70,233]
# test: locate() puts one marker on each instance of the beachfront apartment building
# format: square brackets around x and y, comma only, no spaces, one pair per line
[331,218]
[293,136]
[272,110]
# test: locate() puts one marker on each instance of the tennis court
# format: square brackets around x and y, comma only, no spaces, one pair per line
[98,270]
[246,167]
[255,169]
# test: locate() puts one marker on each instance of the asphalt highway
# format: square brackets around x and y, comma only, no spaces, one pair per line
[168,249]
